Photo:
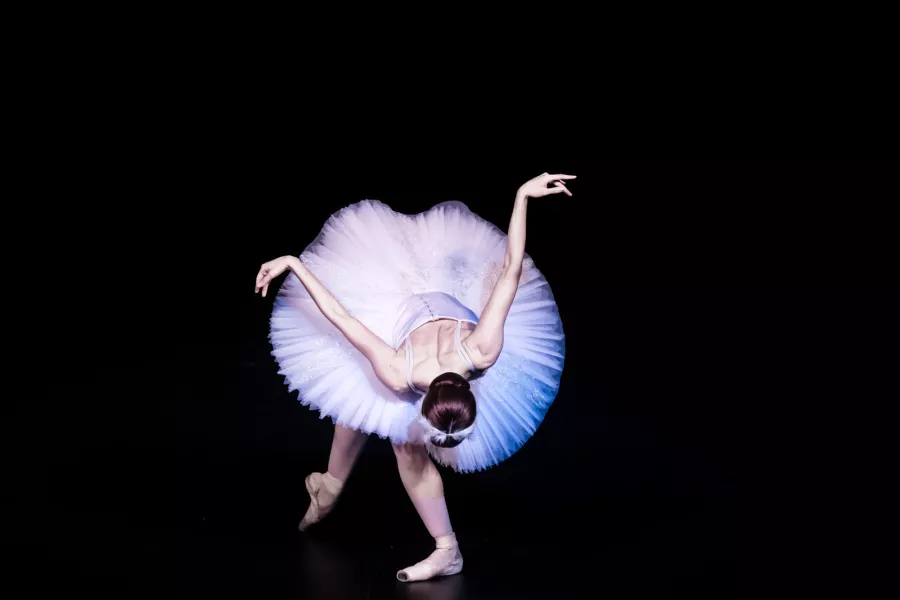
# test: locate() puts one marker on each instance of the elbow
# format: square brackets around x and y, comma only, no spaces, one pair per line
[486,361]
[487,355]
[391,378]
[399,386]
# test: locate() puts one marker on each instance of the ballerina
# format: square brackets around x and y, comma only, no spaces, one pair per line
[435,331]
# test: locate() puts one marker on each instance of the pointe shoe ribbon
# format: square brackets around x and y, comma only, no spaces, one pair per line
[323,489]
[445,560]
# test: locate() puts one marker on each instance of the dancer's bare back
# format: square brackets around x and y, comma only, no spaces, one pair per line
[434,351]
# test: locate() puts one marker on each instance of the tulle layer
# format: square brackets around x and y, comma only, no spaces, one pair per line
[372,259]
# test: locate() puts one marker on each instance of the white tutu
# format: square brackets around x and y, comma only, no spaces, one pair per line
[372,259]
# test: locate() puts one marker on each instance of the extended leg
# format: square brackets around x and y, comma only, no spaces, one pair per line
[423,483]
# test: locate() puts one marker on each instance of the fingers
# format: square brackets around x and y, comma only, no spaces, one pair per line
[265,290]
[549,177]
[263,277]
[263,270]
[562,186]
[259,278]
[558,190]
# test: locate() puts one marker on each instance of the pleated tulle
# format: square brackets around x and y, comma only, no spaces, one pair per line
[372,259]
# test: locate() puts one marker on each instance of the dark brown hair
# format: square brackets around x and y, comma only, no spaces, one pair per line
[449,405]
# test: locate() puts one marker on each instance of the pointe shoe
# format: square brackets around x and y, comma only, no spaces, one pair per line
[324,490]
[445,560]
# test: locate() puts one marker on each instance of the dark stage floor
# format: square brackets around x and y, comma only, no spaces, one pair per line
[640,555]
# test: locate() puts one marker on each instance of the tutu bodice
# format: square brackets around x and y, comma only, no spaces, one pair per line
[394,272]
[419,309]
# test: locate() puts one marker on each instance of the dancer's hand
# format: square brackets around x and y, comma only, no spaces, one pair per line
[544,185]
[270,271]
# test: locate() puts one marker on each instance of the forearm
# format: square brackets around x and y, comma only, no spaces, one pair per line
[333,310]
[515,237]
[487,339]
[376,351]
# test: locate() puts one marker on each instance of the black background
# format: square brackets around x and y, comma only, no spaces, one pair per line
[725,322]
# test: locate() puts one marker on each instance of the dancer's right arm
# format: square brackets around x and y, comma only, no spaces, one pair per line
[382,357]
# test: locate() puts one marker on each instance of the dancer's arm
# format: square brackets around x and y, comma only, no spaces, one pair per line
[486,341]
[379,354]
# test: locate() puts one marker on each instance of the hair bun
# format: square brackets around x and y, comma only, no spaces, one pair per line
[450,379]
[448,409]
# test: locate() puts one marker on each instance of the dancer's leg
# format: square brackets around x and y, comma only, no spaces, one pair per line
[324,488]
[346,447]
[423,483]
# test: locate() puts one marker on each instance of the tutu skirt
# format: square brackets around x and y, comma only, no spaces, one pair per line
[373,259]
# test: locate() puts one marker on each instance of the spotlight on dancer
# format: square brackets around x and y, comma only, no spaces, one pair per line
[435,331]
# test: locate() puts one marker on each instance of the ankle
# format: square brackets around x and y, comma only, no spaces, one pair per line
[446,542]
[332,484]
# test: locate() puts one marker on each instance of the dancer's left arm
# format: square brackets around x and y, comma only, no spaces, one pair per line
[378,353]
[486,341]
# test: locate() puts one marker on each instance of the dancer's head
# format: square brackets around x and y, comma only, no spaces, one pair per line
[449,408]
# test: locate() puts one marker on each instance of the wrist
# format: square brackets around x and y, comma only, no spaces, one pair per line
[295,265]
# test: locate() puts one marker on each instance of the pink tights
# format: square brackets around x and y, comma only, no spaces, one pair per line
[346,446]
[420,477]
